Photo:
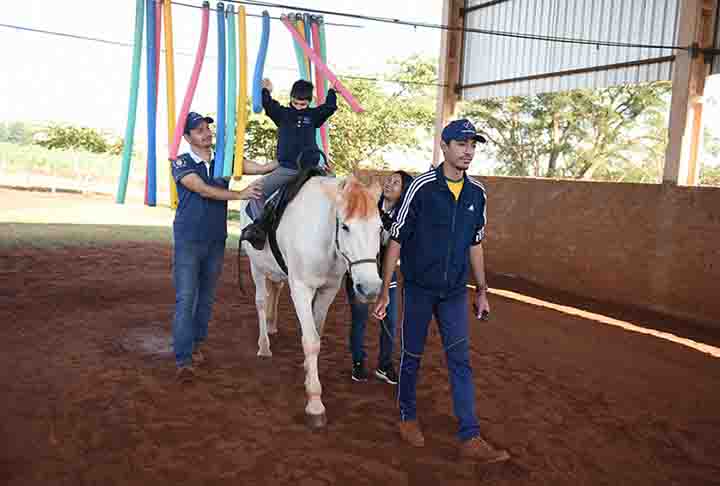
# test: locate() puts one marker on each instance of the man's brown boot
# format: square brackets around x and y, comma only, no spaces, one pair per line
[479,450]
[411,433]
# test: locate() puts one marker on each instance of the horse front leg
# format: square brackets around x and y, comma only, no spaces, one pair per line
[323,299]
[260,302]
[302,296]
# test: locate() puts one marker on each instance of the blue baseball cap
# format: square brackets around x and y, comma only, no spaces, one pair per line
[194,119]
[461,130]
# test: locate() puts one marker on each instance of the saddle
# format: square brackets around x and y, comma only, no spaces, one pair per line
[279,201]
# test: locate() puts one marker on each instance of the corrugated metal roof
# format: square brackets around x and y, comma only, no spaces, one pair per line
[495,66]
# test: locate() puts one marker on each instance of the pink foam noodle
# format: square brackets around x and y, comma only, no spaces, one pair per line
[322,67]
[199,57]
[319,83]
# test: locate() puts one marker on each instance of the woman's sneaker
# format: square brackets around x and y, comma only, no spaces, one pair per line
[359,372]
[387,375]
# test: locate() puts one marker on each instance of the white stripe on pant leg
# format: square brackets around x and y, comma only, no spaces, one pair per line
[402,351]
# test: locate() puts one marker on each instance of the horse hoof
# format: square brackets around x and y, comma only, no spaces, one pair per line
[264,353]
[315,421]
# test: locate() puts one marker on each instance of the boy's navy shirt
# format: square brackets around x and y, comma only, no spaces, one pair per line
[198,218]
[296,128]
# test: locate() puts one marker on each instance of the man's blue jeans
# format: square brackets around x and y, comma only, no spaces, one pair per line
[197,266]
[360,313]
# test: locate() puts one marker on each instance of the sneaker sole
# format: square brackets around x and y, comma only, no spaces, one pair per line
[501,458]
[384,378]
[360,380]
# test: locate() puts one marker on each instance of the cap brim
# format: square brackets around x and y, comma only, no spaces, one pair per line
[476,137]
[189,127]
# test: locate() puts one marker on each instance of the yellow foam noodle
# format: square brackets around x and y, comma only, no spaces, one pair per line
[241,96]
[300,26]
[170,77]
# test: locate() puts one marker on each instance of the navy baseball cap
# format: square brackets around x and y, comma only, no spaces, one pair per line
[194,119]
[462,130]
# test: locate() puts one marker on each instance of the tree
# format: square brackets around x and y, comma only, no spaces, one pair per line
[70,137]
[616,133]
[17,132]
[394,119]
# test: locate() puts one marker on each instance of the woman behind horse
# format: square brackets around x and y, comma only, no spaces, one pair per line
[393,190]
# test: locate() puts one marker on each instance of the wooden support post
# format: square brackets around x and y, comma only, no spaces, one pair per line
[449,70]
[696,27]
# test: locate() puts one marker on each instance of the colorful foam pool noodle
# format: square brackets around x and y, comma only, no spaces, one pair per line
[309,20]
[170,89]
[302,65]
[156,74]
[242,94]
[151,105]
[220,122]
[323,49]
[260,63]
[132,104]
[319,83]
[307,35]
[190,92]
[323,56]
[231,91]
[325,70]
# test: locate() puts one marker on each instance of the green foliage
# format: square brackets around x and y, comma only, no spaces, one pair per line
[17,132]
[394,119]
[710,175]
[617,133]
[71,137]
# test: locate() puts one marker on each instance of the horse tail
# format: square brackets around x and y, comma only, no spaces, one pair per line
[239,270]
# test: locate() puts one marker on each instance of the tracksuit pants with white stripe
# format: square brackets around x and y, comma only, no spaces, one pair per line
[451,313]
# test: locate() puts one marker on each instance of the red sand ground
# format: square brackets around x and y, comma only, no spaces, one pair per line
[87,394]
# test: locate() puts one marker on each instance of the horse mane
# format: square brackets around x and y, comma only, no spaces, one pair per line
[358,201]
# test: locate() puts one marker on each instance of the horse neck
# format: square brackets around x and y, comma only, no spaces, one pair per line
[316,219]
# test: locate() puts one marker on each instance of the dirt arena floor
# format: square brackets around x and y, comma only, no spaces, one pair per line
[88,393]
[87,390]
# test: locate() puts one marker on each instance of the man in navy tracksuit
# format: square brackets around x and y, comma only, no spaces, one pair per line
[437,234]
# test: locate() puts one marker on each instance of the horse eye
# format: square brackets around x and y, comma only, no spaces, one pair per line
[345,227]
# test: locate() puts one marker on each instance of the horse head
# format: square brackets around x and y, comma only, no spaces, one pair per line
[357,235]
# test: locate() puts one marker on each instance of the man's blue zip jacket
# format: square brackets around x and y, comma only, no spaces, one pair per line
[436,232]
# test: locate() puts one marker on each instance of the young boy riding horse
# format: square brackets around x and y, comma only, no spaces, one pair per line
[296,137]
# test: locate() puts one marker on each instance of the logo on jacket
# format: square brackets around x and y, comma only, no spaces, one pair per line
[471,207]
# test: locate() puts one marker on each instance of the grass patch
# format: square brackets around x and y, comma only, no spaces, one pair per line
[49,236]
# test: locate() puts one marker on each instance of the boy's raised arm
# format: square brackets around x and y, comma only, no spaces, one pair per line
[273,109]
[325,111]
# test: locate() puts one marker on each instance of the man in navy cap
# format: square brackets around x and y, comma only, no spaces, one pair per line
[199,233]
[437,234]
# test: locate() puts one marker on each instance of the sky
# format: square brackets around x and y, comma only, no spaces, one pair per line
[48,78]
[52,78]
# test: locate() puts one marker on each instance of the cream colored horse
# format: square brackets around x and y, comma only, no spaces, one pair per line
[331,227]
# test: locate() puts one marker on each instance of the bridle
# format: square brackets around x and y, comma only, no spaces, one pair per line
[350,262]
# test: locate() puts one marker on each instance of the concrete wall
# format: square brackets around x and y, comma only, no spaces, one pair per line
[651,246]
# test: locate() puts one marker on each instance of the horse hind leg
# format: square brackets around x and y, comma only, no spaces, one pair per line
[260,302]
[271,304]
